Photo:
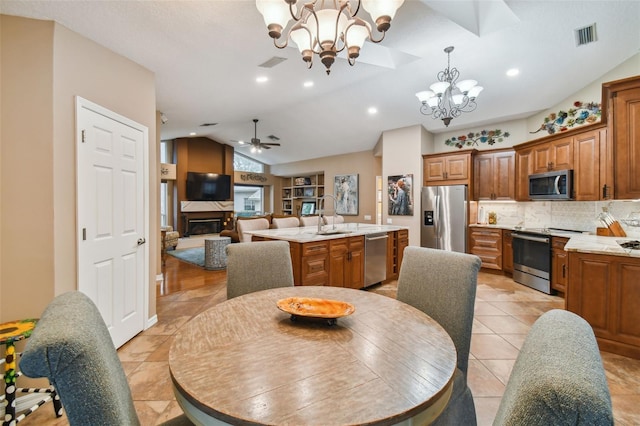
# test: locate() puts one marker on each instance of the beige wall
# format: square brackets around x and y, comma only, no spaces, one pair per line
[362,163]
[401,155]
[47,66]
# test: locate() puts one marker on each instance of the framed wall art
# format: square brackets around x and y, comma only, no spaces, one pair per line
[400,194]
[346,192]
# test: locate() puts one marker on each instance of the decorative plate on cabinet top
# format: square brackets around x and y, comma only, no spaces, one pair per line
[315,308]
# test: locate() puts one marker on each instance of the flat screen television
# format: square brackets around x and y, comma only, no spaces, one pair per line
[208,187]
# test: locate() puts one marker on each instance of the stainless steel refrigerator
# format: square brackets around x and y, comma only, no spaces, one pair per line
[444,217]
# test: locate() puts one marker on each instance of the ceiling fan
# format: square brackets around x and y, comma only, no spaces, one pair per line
[255,144]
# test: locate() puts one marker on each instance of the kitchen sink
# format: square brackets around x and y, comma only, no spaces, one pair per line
[334,231]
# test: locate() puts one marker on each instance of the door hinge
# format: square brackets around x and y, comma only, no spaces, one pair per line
[82,136]
[84,234]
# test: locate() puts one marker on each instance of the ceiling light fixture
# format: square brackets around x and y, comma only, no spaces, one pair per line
[326,31]
[449,98]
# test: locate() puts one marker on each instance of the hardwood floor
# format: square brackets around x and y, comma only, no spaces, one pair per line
[503,314]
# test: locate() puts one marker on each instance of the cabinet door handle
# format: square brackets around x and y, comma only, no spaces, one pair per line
[564,271]
[605,190]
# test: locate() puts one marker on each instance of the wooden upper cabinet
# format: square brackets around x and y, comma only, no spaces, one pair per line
[623,101]
[448,168]
[524,167]
[494,175]
[592,176]
[555,155]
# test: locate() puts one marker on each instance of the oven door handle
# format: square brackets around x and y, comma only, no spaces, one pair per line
[530,238]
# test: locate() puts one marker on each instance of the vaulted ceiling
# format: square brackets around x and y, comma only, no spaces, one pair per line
[206,56]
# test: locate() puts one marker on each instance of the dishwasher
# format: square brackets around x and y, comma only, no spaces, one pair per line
[375,258]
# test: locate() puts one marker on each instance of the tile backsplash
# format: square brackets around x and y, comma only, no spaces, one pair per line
[574,215]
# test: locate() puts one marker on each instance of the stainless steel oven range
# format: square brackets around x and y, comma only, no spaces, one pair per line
[532,258]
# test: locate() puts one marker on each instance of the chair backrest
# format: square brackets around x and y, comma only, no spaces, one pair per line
[71,346]
[250,225]
[258,266]
[285,222]
[309,220]
[442,284]
[330,220]
[558,377]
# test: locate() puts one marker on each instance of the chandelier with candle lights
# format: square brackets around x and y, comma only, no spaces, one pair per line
[326,29]
[448,98]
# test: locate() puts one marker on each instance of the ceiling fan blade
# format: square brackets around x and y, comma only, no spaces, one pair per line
[265,147]
[271,144]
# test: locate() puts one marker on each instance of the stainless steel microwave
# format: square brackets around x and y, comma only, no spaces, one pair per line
[555,185]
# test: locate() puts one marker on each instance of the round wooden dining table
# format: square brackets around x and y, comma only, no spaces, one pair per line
[245,361]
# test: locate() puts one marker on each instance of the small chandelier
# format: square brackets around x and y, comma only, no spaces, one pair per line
[326,31]
[449,98]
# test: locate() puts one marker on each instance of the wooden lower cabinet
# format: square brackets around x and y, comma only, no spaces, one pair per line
[339,262]
[604,290]
[314,263]
[559,264]
[397,242]
[507,251]
[346,262]
[486,243]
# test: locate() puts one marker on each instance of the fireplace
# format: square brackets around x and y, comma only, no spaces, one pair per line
[202,226]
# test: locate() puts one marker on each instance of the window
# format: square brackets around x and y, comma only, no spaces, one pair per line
[248,200]
[246,164]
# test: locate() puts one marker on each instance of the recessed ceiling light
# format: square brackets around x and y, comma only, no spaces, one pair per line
[308,84]
[192,134]
[372,110]
[513,72]
[262,79]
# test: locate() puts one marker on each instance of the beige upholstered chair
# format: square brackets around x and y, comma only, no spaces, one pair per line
[309,220]
[258,266]
[285,222]
[442,284]
[329,220]
[250,225]
[558,377]
[171,237]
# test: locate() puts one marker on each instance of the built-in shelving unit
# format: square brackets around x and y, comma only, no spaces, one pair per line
[300,188]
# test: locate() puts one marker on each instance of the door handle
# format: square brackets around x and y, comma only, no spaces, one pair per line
[141,241]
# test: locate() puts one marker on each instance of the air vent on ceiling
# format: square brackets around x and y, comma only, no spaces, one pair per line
[272,62]
[273,138]
[208,124]
[586,35]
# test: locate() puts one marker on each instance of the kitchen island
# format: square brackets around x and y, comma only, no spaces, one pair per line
[336,255]
[604,289]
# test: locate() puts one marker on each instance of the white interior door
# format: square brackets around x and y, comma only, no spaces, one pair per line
[112,212]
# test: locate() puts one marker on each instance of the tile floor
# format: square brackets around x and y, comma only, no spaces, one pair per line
[503,314]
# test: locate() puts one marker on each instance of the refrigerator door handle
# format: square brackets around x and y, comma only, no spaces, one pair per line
[436,216]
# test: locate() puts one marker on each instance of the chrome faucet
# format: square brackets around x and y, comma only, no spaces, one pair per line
[321,204]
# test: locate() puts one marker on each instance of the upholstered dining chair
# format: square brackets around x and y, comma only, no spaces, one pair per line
[258,266]
[250,225]
[558,377]
[442,284]
[285,222]
[71,346]
[309,220]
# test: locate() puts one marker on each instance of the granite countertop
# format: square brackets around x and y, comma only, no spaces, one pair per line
[305,234]
[552,232]
[601,245]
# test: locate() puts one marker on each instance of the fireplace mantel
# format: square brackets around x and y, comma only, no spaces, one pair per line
[206,206]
